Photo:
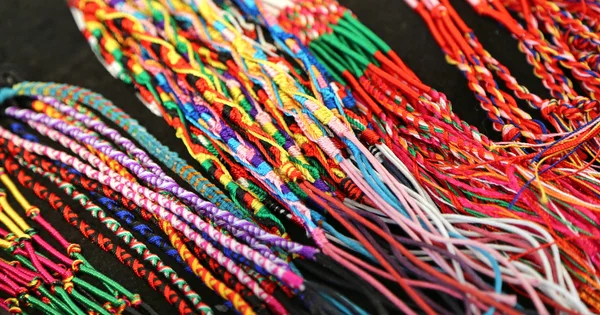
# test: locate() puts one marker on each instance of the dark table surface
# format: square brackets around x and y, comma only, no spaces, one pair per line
[40,38]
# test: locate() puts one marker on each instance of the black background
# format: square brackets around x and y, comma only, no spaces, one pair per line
[40,38]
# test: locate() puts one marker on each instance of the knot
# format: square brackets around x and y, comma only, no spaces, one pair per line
[68,276]
[107,306]
[227,134]
[136,300]
[11,302]
[323,114]
[586,105]
[370,137]
[68,286]
[15,310]
[352,189]
[21,291]
[121,303]
[201,85]
[210,96]
[32,212]
[73,249]
[55,284]
[567,110]
[510,132]
[11,237]
[234,114]
[13,306]
[202,109]
[548,108]
[35,283]
[291,172]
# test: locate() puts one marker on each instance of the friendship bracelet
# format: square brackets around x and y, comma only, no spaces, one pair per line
[125,235]
[180,192]
[77,265]
[13,168]
[155,208]
[260,110]
[75,180]
[38,128]
[74,130]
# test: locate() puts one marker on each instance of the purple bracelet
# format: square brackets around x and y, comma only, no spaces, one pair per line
[36,120]
[115,181]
